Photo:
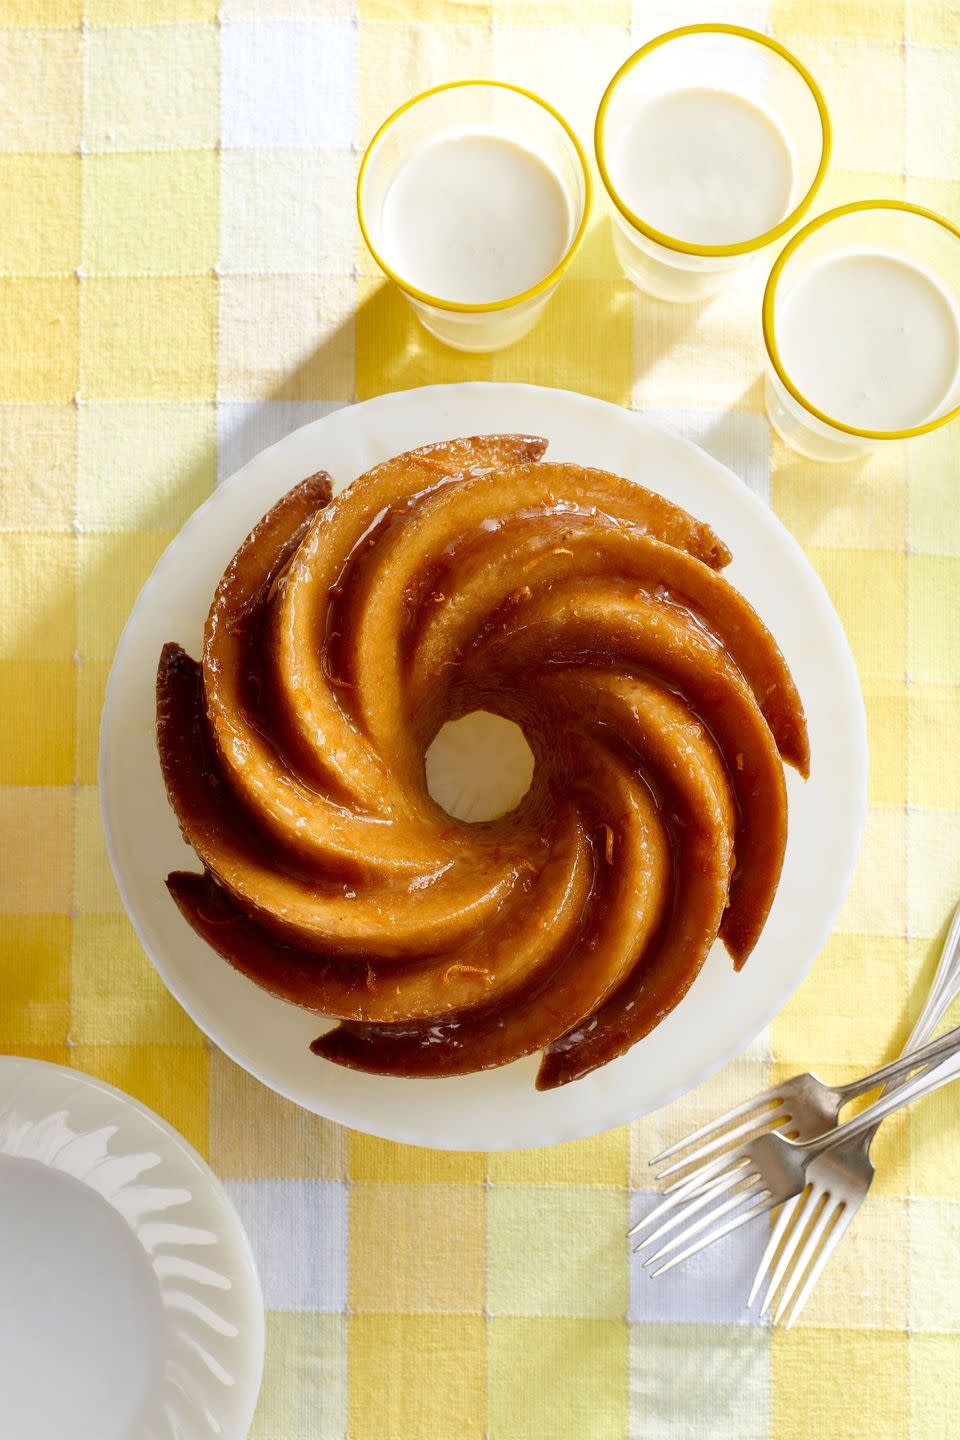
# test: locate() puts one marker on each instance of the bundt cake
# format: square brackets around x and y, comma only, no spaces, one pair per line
[474,575]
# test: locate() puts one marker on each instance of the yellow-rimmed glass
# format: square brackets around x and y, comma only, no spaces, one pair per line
[891,228]
[735,61]
[478,107]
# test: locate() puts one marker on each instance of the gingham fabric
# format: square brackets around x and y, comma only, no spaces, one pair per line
[181,283]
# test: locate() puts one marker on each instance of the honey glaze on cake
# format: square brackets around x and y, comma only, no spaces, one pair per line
[592,613]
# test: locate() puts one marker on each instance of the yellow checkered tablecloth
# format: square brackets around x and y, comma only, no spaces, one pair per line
[181,282]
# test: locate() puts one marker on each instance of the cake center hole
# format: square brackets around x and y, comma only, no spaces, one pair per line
[479,767]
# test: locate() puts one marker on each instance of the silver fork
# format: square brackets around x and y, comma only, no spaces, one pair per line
[772,1169]
[804,1222]
[803,1106]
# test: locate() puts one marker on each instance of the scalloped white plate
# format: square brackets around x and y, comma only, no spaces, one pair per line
[130,1307]
[722,1012]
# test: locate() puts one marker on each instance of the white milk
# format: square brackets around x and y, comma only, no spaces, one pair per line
[870,339]
[705,166]
[474,217]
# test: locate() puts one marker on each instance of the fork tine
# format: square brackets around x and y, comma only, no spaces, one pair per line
[730,1139]
[692,1185]
[773,1245]
[751,1187]
[764,1203]
[846,1214]
[756,1102]
[703,1197]
[702,1175]
[806,1252]
[792,1226]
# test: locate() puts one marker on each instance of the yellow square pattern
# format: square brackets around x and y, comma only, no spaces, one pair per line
[570,63]
[706,1380]
[173,319]
[433,12]
[304,1379]
[381,1160]
[113,568]
[934,1386]
[41,12]
[868,587]
[287,9]
[34,979]
[118,997]
[145,12]
[615,13]
[934,521]
[876,901]
[290,337]
[859,19]
[871,1400]
[818,1024]
[37,722]
[575,1268]
[553,1378]
[436,1237]
[255,1133]
[934,849]
[933,22]
[38,466]
[852,72]
[598,1160]
[152,87]
[826,505]
[933,130]
[934,761]
[38,608]
[36,872]
[887,705]
[39,338]
[935,1264]
[151,214]
[41,89]
[290,210]
[95,888]
[934,582]
[416,1377]
[164,451]
[40,204]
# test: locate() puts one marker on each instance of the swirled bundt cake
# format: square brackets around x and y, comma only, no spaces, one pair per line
[462,576]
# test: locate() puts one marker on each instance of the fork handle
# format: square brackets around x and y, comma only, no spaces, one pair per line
[920,1058]
[943,992]
[931,1079]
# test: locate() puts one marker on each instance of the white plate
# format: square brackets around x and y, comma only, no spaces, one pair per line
[130,1307]
[722,1012]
